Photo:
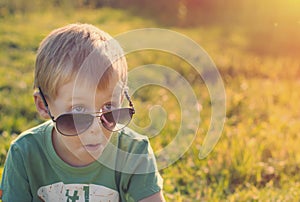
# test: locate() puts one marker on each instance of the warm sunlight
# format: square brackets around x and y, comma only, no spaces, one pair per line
[274,25]
[255,46]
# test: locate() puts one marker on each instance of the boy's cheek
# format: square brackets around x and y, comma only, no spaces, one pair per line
[107,134]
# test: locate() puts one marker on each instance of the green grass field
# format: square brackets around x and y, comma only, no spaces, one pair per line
[257,157]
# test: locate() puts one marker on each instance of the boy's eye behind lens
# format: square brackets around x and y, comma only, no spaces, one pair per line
[116,119]
[82,122]
[108,121]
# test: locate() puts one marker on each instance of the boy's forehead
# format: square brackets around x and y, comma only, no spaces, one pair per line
[87,87]
[87,94]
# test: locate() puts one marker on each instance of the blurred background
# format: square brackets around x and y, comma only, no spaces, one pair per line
[272,25]
[255,46]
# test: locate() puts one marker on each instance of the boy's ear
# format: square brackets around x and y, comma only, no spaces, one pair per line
[40,106]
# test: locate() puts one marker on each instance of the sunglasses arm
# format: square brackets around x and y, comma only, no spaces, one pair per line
[46,104]
[129,100]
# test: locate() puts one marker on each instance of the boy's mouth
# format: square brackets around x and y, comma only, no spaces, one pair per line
[93,147]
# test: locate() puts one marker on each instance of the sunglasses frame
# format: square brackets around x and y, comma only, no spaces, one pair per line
[94,114]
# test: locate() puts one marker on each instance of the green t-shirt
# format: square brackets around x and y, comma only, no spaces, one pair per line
[126,170]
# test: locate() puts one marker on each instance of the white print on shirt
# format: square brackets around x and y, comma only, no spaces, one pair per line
[60,192]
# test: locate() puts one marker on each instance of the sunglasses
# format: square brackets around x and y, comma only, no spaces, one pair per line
[73,124]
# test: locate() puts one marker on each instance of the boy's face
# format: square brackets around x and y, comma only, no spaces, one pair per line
[72,97]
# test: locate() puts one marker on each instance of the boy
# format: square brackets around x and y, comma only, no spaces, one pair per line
[85,152]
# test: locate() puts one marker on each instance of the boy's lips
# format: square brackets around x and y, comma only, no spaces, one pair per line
[93,147]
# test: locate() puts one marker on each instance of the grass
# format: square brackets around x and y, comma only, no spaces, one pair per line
[257,157]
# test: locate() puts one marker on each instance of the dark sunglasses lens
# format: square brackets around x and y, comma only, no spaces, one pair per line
[73,124]
[116,119]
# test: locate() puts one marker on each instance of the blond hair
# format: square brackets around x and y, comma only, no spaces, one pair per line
[78,50]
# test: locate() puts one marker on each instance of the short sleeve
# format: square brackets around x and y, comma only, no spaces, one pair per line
[140,177]
[14,184]
[143,185]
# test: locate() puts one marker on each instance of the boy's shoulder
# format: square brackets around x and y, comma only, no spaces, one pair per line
[32,133]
